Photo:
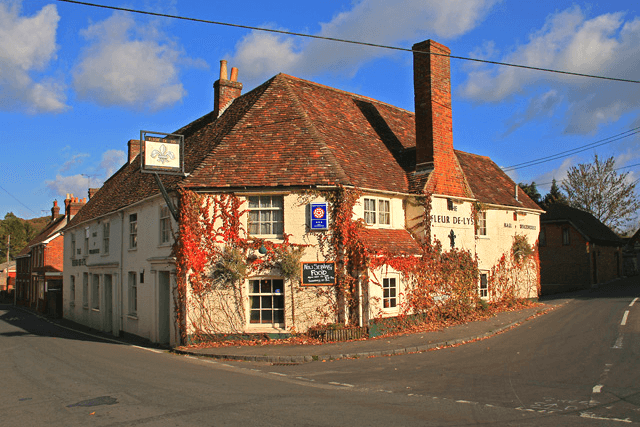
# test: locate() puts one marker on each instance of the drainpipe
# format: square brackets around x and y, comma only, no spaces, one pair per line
[120,289]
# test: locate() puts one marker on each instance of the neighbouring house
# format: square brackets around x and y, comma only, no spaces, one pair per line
[7,278]
[262,170]
[39,265]
[576,250]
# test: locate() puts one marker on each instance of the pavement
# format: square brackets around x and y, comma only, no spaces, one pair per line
[381,346]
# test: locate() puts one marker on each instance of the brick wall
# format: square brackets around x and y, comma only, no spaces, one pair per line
[561,264]
[54,253]
[434,123]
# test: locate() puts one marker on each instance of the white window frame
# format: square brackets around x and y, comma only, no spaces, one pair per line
[95,292]
[259,302]
[165,225]
[106,235]
[483,285]
[481,226]
[132,294]
[133,231]
[257,222]
[377,211]
[390,294]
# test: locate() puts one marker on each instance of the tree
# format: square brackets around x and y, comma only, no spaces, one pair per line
[598,189]
[553,196]
[531,190]
[21,233]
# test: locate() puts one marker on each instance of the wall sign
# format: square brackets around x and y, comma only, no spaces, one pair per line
[318,273]
[319,217]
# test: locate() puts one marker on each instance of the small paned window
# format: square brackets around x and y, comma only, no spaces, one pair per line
[483,286]
[106,231]
[86,241]
[566,237]
[266,215]
[133,231]
[165,225]
[481,227]
[389,292]
[266,298]
[377,211]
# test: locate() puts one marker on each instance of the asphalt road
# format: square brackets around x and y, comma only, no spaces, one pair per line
[577,365]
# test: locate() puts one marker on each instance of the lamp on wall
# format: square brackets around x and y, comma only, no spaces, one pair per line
[262,250]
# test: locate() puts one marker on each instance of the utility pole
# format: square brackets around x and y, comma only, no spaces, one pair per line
[8,247]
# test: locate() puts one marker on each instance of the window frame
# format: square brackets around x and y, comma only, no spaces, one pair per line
[87,231]
[375,216]
[95,292]
[106,236]
[260,298]
[133,231]
[72,290]
[481,226]
[390,302]
[85,290]
[132,294]
[566,236]
[483,285]
[260,222]
[73,245]
[164,225]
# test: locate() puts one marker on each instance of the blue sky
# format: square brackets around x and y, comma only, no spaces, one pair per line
[78,82]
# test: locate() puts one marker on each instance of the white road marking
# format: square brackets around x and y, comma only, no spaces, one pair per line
[594,417]
[278,373]
[633,302]
[618,343]
[624,318]
[598,388]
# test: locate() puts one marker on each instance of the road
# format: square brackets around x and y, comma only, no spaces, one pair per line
[577,365]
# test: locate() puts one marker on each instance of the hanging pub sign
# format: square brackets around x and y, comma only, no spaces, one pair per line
[162,152]
[318,273]
[319,217]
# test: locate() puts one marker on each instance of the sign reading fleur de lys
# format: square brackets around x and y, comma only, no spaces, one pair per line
[162,152]
[319,217]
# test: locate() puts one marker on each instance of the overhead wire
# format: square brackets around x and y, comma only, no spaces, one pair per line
[335,39]
[572,151]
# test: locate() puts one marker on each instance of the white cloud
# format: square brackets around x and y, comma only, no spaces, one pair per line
[75,160]
[129,65]
[112,160]
[605,45]
[260,54]
[75,184]
[28,44]
[558,174]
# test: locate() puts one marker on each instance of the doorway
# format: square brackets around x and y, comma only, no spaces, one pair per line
[164,307]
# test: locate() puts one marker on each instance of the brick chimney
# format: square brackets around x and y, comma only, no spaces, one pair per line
[225,91]
[134,149]
[434,128]
[72,205]
[92,192]
[55,211]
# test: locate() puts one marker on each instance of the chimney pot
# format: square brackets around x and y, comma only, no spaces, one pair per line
[223,69]
[225,91]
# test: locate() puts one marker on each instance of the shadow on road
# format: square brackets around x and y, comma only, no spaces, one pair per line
[628,287]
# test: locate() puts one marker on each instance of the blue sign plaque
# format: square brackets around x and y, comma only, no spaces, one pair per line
[319,217]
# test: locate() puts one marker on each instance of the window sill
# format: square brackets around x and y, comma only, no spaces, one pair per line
[86,307]
[132,316]
[132,249]
[97,310]
[485,237]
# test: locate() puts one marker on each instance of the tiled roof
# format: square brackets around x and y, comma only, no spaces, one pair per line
[590,227]
[291,132]
[390,241]
[490,184]
[50,229]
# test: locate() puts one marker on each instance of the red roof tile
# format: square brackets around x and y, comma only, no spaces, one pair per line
[390,241]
